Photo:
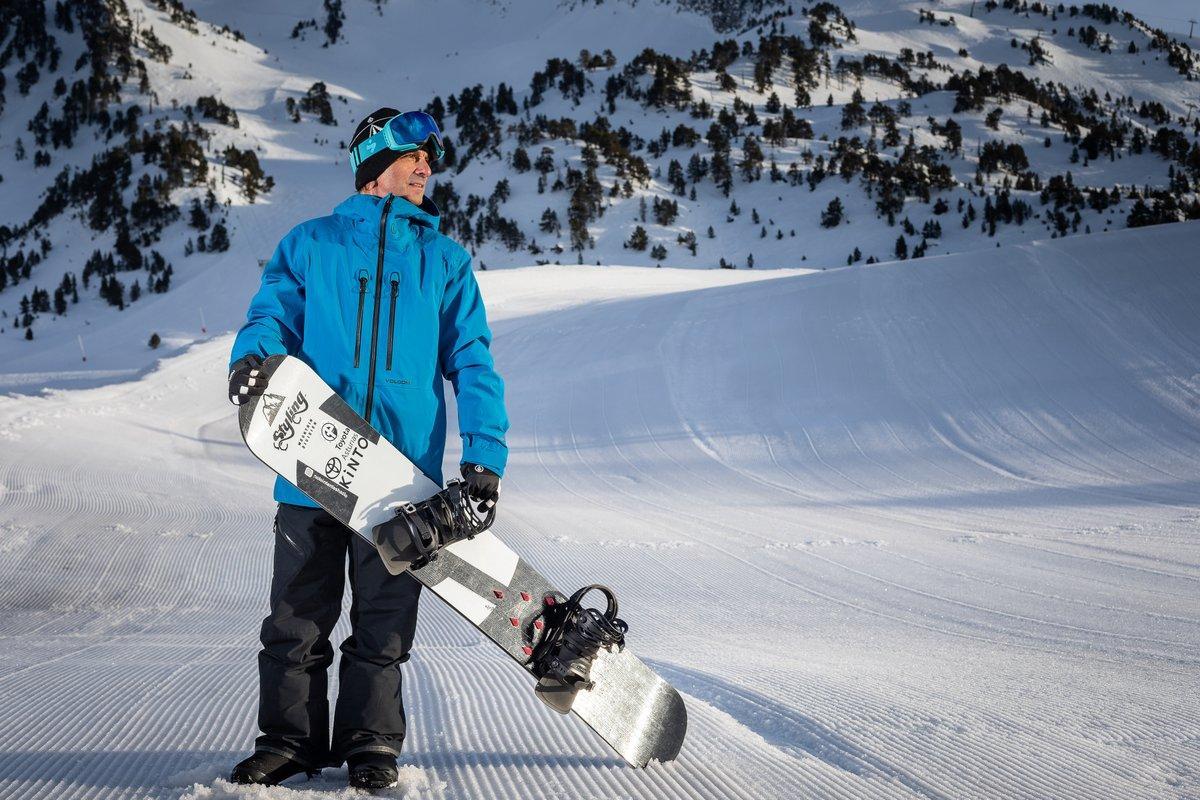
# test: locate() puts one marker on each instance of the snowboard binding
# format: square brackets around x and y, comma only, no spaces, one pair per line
[562,660]
[412,538]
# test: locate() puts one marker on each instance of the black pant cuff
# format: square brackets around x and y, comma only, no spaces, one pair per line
[370,749]
[288,753]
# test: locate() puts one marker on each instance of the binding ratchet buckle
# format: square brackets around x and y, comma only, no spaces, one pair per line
[412,538]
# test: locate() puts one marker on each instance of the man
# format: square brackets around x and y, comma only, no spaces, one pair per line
[383,307]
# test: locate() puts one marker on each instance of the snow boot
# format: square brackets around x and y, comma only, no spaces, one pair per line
[267,769]
[373,771]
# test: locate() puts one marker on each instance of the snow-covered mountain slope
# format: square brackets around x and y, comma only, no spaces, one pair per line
[244,56]
[1174,16]
[1118,122]
[909,530]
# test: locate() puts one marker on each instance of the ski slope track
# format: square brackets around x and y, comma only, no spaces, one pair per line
[915,530]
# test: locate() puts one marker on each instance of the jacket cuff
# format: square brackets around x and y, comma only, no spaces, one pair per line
[486,451]
[263,350]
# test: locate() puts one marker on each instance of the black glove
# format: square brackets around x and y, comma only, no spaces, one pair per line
[483,485]
[246,379]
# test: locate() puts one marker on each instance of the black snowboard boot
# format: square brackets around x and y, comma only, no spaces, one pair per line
[267,769]
[372,771]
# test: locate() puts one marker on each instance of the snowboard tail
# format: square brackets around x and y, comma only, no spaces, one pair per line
[305,432]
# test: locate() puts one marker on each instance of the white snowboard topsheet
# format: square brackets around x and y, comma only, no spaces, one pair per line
[291,426]
[305,432]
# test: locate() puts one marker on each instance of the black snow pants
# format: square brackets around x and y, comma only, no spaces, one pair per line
[311,548]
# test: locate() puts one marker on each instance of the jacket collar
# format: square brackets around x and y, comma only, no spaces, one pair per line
[367,208]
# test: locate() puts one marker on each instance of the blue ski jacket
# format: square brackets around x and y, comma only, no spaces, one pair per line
[382,306]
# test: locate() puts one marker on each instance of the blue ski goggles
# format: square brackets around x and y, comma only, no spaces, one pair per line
[404,133]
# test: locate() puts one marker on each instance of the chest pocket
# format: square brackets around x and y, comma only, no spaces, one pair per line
[360,293]
[393,285]
[410,359]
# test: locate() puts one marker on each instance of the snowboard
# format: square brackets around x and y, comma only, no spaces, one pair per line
[304,431]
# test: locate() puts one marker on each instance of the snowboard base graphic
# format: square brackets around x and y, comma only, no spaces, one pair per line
[305,432]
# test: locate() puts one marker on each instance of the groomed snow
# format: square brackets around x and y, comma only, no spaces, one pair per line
[925,529]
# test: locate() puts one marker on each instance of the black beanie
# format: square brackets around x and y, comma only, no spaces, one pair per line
[375,165]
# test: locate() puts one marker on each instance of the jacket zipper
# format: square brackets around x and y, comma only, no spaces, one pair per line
[395,278]
[387,206]
[363,277]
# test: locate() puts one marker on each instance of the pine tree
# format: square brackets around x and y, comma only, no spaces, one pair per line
[638,240]
[577,219]
[833,214]
[721,173]
[502,191]
[688,240]
[334,16]
[520,160]
[676,178]
[752,159]
[219,239]
[853,114]
[1140,215]
[665,212]
[196,216]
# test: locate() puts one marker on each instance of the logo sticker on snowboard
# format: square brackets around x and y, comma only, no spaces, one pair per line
[286,429]
[270,406]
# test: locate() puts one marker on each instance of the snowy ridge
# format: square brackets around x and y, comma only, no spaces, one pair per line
[954,503]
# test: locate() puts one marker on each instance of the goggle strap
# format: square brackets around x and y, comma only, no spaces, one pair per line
[386,130]
[389,141]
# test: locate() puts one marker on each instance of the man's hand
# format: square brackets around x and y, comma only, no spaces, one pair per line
[483,485]
[246,379]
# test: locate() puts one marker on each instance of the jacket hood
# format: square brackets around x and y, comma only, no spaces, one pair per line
[367,208]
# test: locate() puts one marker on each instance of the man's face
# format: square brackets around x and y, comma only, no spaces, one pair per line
[405,178]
